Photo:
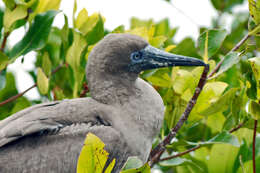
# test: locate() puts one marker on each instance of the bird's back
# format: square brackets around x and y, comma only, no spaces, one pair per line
[49,137]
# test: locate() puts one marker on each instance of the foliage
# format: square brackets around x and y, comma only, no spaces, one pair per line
[230,97]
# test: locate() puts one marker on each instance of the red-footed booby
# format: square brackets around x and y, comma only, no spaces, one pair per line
[124,111]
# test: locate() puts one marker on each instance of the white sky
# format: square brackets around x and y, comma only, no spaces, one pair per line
[188,15]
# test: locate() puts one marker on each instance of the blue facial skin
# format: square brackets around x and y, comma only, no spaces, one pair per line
[151,58]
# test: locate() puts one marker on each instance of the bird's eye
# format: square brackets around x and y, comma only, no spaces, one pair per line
[136,56]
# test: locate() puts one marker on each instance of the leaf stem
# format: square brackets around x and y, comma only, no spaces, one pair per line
[236,47]
[4,41]
[254,141]
[160,148]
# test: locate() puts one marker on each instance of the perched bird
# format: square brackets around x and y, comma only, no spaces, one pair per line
[124,111]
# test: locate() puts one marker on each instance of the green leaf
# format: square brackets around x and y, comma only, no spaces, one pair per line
[10,4]
[224,5]
[254,109]
[44,6]
[97,32]
[222,158]
[37,35]
[93,156]
[119,29]
[42,82]
[81,19]
[3,60]
[254,10]
[173,162]
[144,169]
[133,162]
[221,104]
[157,41]
[21,103]
[210,93]
[209,42]
[221,138]
[11,16]
[73,58]
[46,63]
[229,60]
[255,65]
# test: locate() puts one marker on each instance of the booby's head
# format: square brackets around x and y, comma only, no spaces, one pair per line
[120,53]
[119,58]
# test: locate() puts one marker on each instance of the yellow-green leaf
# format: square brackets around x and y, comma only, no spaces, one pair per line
[254,109]
[87,24]
[3,60]
[42,81]
[221,104]
[73,59]
[44,6]
[46,63]
[81,19]
[11,16]
[157,41]
[93,157]
[255,64]
[254,10]
[141,31]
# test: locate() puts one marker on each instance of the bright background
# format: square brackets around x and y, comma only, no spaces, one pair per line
[187,15]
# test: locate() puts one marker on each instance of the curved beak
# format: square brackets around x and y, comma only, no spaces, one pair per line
[155,58]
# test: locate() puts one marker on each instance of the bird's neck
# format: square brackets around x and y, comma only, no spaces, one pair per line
[111,89]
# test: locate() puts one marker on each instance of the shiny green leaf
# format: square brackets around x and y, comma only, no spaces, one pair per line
[229,60]
[37,35]
[209,42]
[42,82]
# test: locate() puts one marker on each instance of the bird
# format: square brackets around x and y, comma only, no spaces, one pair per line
[124,111]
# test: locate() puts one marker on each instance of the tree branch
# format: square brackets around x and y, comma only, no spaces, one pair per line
[160,148]
[22,93]
[236,47]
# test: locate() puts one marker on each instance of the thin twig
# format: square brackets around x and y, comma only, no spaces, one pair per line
[181,154]
[4,41]
[236,47]
[254,141]
[22,93]
[237,127]
[160,148]
[16,96]
[198,146]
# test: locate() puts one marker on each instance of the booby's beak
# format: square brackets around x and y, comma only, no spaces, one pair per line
[151,58]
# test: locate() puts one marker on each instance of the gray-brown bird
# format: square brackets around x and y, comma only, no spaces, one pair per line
[124,111]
